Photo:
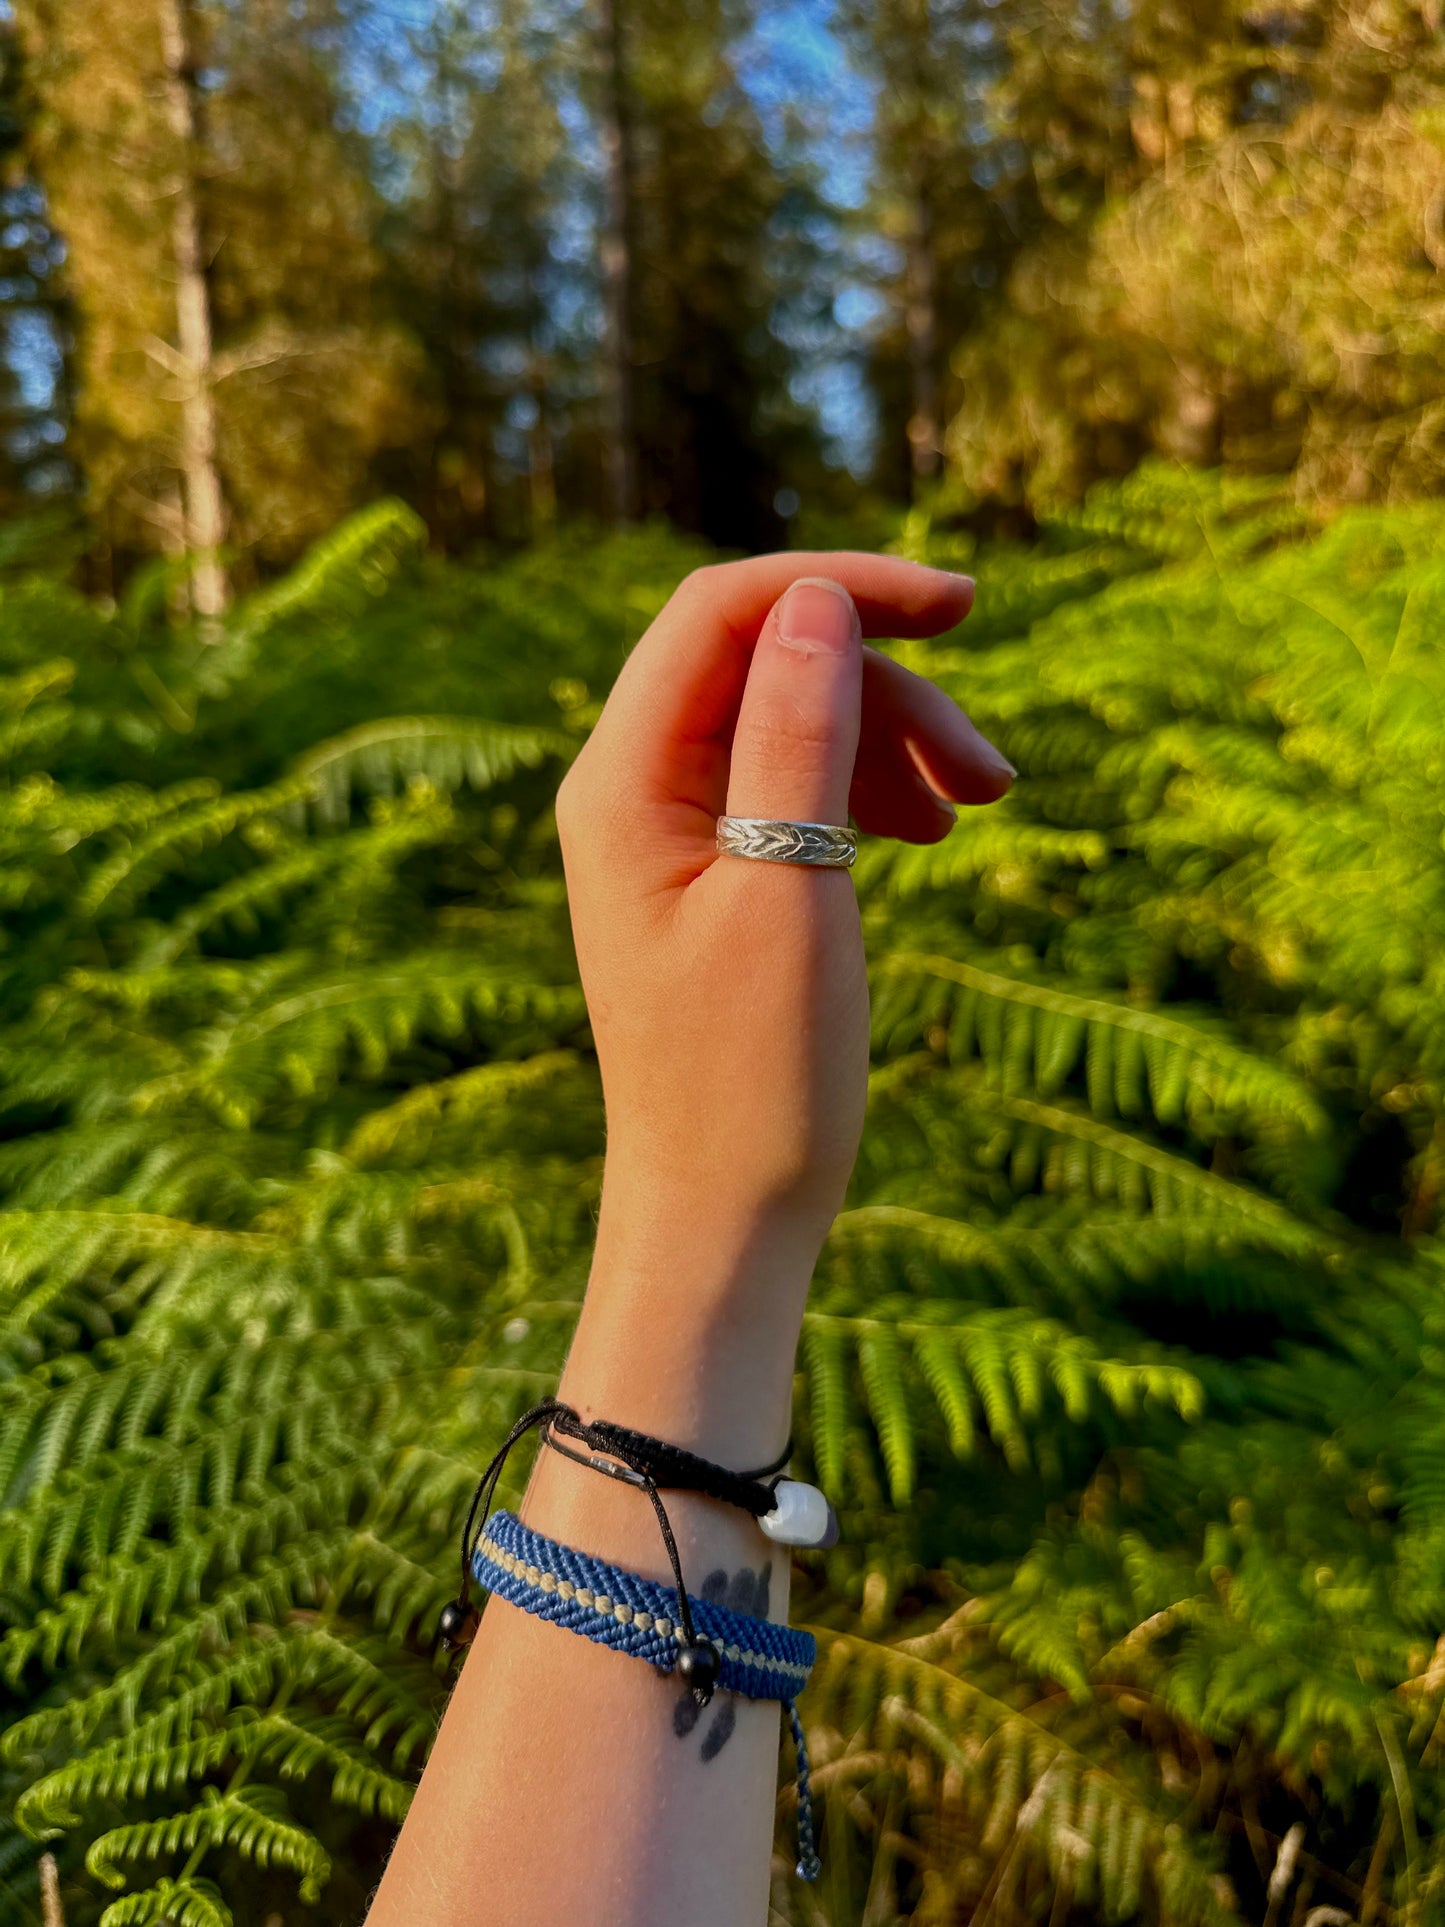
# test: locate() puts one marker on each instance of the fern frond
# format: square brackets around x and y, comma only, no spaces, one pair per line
[380,758]
[996,1362]
[246,1063]
[401,1131]
[358,560]
[44,1255]
[1033,1037]
[160,1755]
[128,1595]
[252,1822]
[1076,1256]
[1066,1149]
[1023,1779]
[881,1361]
[188,1902]
[977,847]
[180,835]
[826,1354]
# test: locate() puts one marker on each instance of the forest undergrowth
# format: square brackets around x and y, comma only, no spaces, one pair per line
[1125,1360]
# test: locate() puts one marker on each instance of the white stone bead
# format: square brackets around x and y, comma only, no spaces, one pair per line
[801,1516]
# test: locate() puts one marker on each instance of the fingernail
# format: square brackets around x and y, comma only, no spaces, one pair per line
[995,760]
[817,616]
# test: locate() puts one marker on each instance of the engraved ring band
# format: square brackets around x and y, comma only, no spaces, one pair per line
[776,840]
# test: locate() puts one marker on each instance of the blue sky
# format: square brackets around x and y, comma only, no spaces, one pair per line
[793,58]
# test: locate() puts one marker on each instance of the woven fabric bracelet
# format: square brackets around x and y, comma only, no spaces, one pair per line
[759,1658]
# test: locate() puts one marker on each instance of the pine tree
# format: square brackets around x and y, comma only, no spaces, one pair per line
[617,251]
[940,200]
[711,412]
[596,246]
[478,249]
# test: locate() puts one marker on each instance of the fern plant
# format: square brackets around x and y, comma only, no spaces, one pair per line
[304,1137]
[1121,1362]
[1157,1060]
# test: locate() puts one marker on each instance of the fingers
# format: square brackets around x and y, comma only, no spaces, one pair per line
[900,805]
[893,597]
[683,683]
[911,728]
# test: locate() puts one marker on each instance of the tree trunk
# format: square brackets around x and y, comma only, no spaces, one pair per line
[922,317]
[169,519]
[619,418]
[205,506]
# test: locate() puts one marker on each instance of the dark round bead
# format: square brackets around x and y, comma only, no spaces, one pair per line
[699,1666]
[457,1623]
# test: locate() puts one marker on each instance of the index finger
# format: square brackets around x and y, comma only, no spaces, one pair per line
[684,680]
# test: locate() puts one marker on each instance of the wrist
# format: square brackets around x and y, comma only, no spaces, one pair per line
[688,1332]
[581,1507]
[689,1328]
[708,1386]
[704,1245]
[652,1197]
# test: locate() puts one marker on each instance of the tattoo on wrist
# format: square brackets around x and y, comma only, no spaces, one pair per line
[745,1592]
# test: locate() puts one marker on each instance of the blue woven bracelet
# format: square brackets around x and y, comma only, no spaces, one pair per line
[759,1658]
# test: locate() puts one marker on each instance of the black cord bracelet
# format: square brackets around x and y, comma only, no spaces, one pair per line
[670,1466]
[789,1512]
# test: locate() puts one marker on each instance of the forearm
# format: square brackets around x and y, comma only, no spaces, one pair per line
[570,1782]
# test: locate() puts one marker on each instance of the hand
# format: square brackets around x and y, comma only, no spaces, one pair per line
[728,997]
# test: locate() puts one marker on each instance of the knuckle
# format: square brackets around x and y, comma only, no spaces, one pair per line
[585,806]
[793,736]
[570,804]
[700,586]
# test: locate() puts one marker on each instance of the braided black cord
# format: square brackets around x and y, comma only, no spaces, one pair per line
[809,1866]
[672,1466]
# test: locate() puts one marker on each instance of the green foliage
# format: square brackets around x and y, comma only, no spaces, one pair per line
[251,1821]
[1156,1128]
[1123,1362]
[1177,232]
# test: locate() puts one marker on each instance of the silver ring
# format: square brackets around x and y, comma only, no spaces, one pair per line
[830,846]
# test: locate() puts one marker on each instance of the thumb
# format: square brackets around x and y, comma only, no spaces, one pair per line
[796,738]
